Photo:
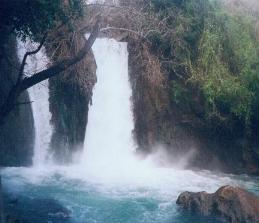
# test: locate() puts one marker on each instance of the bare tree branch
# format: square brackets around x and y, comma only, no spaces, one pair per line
[21,70]
[52,71]
[61,66]
[132,10]
[122,29]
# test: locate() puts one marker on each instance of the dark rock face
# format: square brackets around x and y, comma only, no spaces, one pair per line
[17,132]
[70,96]
[69,108]
[36,210]
[150,99]
[231,204]
[156,120]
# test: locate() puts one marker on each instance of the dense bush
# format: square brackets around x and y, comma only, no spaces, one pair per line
[213,53]
[227,66]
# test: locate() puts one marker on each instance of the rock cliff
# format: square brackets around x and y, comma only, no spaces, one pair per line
[70,96]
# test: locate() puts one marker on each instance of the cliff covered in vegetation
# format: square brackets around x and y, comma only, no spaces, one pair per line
[208,53]
[70,94]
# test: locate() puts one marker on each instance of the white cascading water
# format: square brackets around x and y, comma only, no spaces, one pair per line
[39,97]
[108,157]
[109,184]
[110,124]
[108,143]
[109,147]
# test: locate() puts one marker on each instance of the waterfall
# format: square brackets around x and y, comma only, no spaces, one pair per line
[108,140]
[39,96]
[109,184]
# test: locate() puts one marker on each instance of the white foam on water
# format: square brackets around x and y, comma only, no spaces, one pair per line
[108,141]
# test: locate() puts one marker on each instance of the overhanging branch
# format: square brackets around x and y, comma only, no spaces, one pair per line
[52,71]
[21,70]
[63,65]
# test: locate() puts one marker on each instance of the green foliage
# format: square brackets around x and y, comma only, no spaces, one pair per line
[184,22]
[178,93]
[227,66]
[212,51]
[28,18]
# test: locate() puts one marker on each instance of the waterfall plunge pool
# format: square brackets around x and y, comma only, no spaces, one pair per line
[108,184]
[62,194]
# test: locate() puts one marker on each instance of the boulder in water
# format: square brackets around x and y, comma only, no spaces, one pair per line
[231,204]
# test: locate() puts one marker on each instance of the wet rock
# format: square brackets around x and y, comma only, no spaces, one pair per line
[70,97]
[231,204]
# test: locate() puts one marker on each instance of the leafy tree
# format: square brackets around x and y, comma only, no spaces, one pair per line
[32,19]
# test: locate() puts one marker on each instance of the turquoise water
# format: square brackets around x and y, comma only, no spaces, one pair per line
[59,195]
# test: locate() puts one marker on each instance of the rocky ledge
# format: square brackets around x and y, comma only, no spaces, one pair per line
[230,204]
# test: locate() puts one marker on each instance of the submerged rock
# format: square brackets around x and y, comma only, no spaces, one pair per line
[36,211]
[231,204]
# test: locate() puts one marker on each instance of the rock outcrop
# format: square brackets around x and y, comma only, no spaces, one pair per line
[70,95]
[231,204]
